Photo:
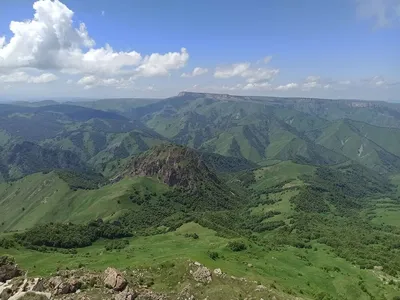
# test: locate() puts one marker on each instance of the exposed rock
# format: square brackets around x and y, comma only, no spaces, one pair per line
[127,294]
[6,293]
[174,165]
[8,269]
[33,295]
[61,286]
[113,279]
[150,295]
[202,274]
[218,272]
[186,293]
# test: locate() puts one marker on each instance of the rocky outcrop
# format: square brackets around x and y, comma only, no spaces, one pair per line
[200,273]
[127,294]
[113,279]
[150,295]
[19,288]
[60,285]
[173,165]
[8,268]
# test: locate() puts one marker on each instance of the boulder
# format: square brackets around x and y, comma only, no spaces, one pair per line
[113,279]
[6,293]
[127,294]
[218,271]
[150,295]
[8,269]
[202,274]
[61,286]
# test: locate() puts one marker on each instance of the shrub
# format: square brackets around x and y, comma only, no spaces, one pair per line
[237,246]
[194,236]
[213,255]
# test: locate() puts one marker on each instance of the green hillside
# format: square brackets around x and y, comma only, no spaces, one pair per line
[369,145]
[299,195]
[43,198]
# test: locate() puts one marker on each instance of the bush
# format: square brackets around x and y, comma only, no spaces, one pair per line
[237,246]
[58,235]
[192,235]
[213,255]
[116,244]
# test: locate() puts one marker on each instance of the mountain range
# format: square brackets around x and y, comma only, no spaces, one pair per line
[316,180]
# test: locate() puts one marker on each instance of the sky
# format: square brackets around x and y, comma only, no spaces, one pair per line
[157,48]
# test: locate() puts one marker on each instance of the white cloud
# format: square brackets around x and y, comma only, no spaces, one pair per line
[344,82]
[254,77]
[51,41]
[23,77]
[231,71]
[196,72]
[90,81]
[383,12]
[160,64]
[286,87]
[2,41]
[70,81]
[103,13]
[267,59]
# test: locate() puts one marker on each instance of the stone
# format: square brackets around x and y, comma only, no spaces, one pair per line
[8,269]
[63,286]
[127,294]
[6,294]
[218,272]
[113,279]
[150,295]
[202,274]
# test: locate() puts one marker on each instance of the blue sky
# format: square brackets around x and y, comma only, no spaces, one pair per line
[156,48]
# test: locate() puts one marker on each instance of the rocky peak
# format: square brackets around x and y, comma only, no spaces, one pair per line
[173,165]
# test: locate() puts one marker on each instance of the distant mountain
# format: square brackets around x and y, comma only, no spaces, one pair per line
[27,158]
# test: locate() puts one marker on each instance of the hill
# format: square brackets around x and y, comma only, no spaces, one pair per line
[300,195]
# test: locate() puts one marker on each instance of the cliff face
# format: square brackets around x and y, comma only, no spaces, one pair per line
[174,166]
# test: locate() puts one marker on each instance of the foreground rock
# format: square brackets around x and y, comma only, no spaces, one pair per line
[8,269]
[59,285]
[22,288]
[113,279]
[201,273]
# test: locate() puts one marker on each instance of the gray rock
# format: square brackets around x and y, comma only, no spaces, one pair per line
[113,279]
[202,274]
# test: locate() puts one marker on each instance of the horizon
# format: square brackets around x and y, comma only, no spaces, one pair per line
[63,100]
[102,49]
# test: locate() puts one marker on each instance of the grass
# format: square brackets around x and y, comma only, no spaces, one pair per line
[282,205]
[41,198]
[290,269]
[286,171]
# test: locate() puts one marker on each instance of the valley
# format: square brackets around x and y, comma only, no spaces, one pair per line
[300,196]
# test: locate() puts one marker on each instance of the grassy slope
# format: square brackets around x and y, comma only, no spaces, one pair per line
[281,172]
[361,142]
[291,270]
[46,198]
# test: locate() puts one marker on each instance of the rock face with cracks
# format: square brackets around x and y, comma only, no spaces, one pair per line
[113,279]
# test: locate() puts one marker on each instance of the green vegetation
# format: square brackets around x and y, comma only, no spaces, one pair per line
[69,235]
[302,196]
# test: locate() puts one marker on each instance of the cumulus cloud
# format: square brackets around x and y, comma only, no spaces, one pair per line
[254,77]
[267,59]
[51,41]
[23,77]
[231,71]
[287,87]
[383,12]
[160,64]
[91,81]
[196,72]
